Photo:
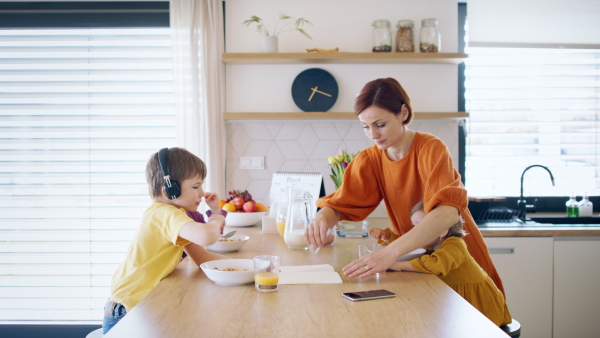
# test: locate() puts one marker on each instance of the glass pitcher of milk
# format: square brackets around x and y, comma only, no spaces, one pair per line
[299,214]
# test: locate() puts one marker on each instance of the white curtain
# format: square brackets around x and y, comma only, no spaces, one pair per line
[198,40]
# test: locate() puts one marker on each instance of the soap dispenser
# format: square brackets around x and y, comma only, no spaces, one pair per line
[586,207]
[572,207]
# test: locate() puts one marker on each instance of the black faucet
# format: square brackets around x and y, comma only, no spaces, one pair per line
[522,203]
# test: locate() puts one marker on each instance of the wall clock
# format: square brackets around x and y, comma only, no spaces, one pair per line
[315,90]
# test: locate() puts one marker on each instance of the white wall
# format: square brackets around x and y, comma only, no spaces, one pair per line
[336,23]
[346,24]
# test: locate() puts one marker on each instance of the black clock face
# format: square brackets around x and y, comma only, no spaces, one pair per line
[315,90]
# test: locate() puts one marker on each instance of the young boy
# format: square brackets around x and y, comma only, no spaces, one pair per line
[175,177]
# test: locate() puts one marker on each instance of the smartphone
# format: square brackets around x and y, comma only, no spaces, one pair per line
[366,295]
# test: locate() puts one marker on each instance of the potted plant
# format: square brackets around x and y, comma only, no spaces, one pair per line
[269,37]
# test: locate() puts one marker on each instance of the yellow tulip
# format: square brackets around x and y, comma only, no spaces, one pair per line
[338,165]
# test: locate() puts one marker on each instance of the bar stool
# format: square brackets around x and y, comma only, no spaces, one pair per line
[95,334]
[513,329]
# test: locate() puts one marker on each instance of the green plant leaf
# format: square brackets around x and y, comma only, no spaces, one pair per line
[262,28]
[302,22]
[336,181]
[303,32]
[252,19]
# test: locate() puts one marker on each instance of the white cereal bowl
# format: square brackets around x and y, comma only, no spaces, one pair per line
[231,244]
[412,255]
[243,219]
[214,271]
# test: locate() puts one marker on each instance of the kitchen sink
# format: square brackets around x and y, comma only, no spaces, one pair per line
[543,221]
[594,220]
[512,224]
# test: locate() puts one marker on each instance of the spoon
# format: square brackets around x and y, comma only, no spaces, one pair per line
[229,234]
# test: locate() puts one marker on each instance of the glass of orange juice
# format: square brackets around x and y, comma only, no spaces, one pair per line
[266,273]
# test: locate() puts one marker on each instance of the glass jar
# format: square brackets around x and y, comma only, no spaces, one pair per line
[404,36]
[430,36]
[382,36]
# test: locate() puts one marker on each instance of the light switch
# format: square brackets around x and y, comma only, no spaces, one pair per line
[245,163]
[252,163]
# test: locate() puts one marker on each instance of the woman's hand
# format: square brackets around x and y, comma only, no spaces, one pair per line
[316,232]
[368,265]
[382,234]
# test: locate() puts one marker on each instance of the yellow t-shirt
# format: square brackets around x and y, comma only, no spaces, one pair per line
[153,254]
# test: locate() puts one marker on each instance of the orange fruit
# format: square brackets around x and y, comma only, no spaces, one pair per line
[260,207]
[221,203]
[229,207]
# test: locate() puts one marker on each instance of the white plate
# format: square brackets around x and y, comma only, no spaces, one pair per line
[412,255]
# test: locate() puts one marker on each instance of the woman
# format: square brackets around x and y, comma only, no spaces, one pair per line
[402,168]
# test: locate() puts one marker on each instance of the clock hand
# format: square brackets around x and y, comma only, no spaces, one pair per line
[318,91]
[313,93]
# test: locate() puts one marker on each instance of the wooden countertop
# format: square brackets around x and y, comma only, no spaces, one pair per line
[187,304]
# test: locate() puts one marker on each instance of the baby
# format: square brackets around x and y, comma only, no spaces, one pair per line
[452,263]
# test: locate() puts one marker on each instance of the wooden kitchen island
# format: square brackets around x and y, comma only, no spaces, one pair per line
[188,304]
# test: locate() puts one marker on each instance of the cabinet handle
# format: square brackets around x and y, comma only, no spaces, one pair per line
[501,250]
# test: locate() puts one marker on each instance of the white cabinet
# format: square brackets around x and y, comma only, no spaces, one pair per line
[576,286]
[525,265]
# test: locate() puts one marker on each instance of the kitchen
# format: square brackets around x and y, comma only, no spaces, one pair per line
[245,83]
[537,300]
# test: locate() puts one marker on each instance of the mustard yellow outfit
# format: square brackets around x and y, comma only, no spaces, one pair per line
[153,254]
[453,264]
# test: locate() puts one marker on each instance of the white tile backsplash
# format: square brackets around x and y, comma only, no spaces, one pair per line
[257,131]
[304,146]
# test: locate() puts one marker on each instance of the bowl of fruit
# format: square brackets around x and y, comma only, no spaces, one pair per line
[242,210]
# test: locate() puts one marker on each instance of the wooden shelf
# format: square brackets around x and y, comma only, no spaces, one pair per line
[331,116]
[343,57]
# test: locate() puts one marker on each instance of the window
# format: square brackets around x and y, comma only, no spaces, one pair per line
[81,111]
[533,106]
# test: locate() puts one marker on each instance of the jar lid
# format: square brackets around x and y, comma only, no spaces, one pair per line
[405,23]
[381,23]
[429,22]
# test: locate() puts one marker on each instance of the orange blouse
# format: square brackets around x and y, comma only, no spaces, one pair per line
[425,173]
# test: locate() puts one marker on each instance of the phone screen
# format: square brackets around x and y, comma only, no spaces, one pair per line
[365,295]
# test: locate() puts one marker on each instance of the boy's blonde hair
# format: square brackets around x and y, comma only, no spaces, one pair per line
[181,165]
[455,230]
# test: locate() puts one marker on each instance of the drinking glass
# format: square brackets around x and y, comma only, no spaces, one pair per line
[364,249]
[266,273]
